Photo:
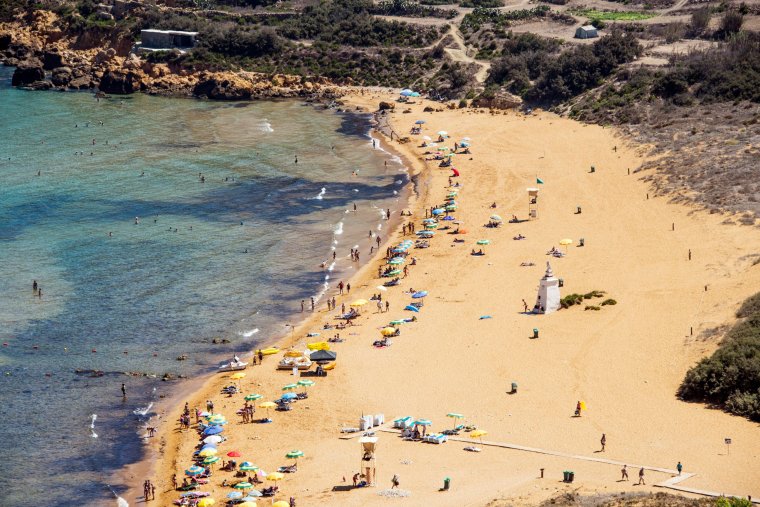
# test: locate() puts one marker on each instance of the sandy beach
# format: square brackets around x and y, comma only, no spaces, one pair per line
[676,272]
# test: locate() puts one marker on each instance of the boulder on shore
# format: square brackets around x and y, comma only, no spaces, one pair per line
[27,73]
[223,86]
[119,82]
[62,76]
[52,59]
[386,106]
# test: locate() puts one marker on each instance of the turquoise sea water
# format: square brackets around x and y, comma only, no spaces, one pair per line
[230,257]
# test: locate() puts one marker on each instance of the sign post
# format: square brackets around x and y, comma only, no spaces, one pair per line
[728,446]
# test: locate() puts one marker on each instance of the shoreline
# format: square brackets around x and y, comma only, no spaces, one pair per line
[133,474]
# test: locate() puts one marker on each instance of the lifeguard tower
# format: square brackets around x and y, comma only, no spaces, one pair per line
[532,203]
[368,466]
[547,300]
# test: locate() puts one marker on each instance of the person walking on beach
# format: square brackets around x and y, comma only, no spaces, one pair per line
[302,302]
[312,304]
[333,302]
[379,306]
[641,477]
[152,491]
[679,467]
[348,288]
[603,441]
[395,481]
[578,409]
[388,214]
[343,309]
[123,391]
[525,306]
[624,473]
[174,481]
[377,240]
[34,286]
[340,287]
[387,306]
[261,356]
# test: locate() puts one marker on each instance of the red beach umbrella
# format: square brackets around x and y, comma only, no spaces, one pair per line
[234,454]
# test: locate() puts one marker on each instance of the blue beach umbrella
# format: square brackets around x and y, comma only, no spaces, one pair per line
[406,92]
[234,495]
[449,218]
[412,308]
[419,122]
[420,294]
[423,422]
[194,470]
[213,430]
[415,94]
[289,396]
[439,211]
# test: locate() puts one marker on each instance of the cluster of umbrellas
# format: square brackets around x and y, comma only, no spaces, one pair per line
[406,92]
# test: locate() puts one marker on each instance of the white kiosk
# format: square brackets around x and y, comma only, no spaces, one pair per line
[548,293]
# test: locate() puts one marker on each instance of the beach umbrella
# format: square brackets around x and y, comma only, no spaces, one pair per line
[252,495]
[247,466]
[209,446]
[388,331]
[438,211]
[281,503]
[289,396]
[275,476]
[449,218]
[428,220]
[415,94]
[359,302]
[406,93]
[217,420]
[207,453]
[412,308]
[466,139]
[396,261]
[323,356]
[397,322]
[393,272]
[565,242]
[454,415]
[462,231]
[205,414]
[213,439]
[243,485]
[206,502]
[496,218]
[234,454]
[483,242]
[464,144]
[423,422]
[253,397]
[210,460]
[234,495]
[431,226]
[289,387]
[294,454]
[247,503]
[427,138]
[425,234]
[194,470]
[305,383]
[267,405]
[451,207]
[420,294]
[443,133]
[419,122]
[478,434]
[237,376]
[212,430]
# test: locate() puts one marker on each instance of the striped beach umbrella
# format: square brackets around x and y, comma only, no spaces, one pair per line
[253,397]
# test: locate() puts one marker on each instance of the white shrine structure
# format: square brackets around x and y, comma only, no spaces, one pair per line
[548,293]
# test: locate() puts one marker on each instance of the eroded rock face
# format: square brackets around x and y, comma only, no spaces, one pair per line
[5,41]
[120,82]
[223,86]
[27,73]
[52,59]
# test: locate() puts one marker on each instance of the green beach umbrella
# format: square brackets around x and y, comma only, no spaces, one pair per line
[431,226]
[253,397]
[243,485]
[483,242]
[210,460]
[305,383]
[423,422]
[294,454]
[394,272]
[248,467]
[397,260]
[289,387]
[454,415]
[396,322]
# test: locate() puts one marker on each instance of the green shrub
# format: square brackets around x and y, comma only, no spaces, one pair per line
[610,301]
[592,307]
[730,378]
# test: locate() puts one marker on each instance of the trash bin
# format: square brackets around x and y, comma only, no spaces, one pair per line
[570,476]
[446,483]
[565,476]
[561,282]
[535,332]
[514,387]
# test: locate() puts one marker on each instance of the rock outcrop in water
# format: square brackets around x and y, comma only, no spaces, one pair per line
[120,82]
[27,73]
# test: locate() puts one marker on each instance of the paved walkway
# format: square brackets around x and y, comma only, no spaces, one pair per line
[671,483]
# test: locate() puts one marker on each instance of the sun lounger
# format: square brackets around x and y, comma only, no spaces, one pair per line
[403,422]
[350,430]
[435,438]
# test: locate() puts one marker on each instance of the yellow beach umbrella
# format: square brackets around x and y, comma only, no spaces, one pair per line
[359,302]
[565,242]
[206,502]
[478,434]
[388,331]
[275,476]
[207,452]
[237,376]
[247,504]
[293,353]
[267,405]
[281,503]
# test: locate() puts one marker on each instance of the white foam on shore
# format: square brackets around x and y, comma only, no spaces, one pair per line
[266,126]
[143,411]
[250,333]
[338,228]
[321,194]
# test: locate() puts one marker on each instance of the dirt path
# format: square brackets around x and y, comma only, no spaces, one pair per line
[459,54]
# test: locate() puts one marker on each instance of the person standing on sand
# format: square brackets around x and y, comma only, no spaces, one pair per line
[174,481]
[525,306]
[261,356]
[312,304]
[395,481]
[387,306]
[302,303]
[641,477]
[679,467]
[340,287]
[379,306]
[348,288]
[377,240]
[333,302]
[123,391]
[603,441]
[624,473]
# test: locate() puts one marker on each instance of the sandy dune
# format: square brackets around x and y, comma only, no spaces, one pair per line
[625,361]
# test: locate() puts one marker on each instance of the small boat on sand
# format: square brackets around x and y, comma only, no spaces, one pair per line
[235,365]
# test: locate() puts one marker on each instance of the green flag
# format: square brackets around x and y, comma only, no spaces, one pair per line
[539,181]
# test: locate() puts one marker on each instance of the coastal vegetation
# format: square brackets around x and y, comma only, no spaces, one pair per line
[595,14]
[730,378]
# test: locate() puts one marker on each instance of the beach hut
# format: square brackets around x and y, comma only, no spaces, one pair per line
[586,32]
[548,297]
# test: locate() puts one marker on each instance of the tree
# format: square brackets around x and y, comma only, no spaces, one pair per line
[700,19]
